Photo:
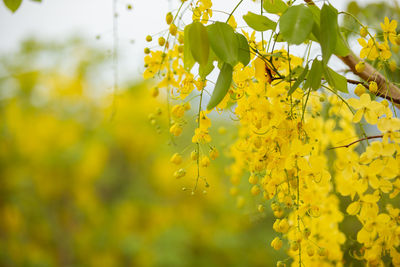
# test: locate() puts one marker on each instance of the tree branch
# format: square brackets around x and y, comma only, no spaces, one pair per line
[359,140]
[386,89]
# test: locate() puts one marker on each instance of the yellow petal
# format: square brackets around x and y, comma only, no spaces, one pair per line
[353,208]
[357,117]
[370,116]
[365,100]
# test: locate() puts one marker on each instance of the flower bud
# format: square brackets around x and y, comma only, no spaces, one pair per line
[363,32]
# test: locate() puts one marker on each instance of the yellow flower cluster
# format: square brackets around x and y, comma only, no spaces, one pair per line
[202,11]
[282,146]
[369,179]
[372,49]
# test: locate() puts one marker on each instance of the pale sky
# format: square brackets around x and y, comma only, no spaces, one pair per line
[56,20]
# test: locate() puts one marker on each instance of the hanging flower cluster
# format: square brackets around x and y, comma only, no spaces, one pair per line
[291,118]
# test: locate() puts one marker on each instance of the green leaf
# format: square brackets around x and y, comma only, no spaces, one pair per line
[12,5]
[244,50]
[341,48]
[299,80]
[206,69]
[274,6]
[224,42]
[328,31]
[314,76]
[296,24]
[335,80]
[198,42]
[188,60]
[314,36]
[258,22]
[222,86]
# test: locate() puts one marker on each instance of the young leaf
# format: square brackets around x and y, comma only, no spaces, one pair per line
[274,6]
[198,42]
[314,36]
[335,80]
[206,69]
[12,5]
[296,24]
[244,50]
[299,80]
[224,42]
[258,22]
[188,60]
[314,76]
[328,31]
[341,48]
[222,86]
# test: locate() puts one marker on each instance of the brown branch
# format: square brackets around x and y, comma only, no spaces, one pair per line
[386,89]
[310,2]
[357,141]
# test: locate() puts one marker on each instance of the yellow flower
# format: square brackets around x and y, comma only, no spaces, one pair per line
[153,64]
[384,51]
[214,153]
[255,190]
[176,129]
[389,30]
[390,127]
[365,107]
[178,111]
[232,22]
[194,155]
[283,226]
[360,66]
[205,122]
[363,32]
[360,90]
[353,208]
[369,49]
[276,243]
[205,161]
[373,87]
[186,86]
[176,159]
[201,136]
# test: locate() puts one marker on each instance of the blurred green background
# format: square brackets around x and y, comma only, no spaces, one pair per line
[79,188]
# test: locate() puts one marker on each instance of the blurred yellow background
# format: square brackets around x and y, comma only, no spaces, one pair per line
[79,188]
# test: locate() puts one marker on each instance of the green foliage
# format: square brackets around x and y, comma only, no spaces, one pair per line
[274,6]
[335,80]
[188,59]
[298,81]
[244,50]
[224,42]
[12,5]
[206,69]
[314,76]
[222,86]
[198,42]
[328,31]
[258,22]
[79,190]
[296,24]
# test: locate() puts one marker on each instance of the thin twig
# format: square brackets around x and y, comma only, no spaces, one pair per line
[357,141]
[115,59]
